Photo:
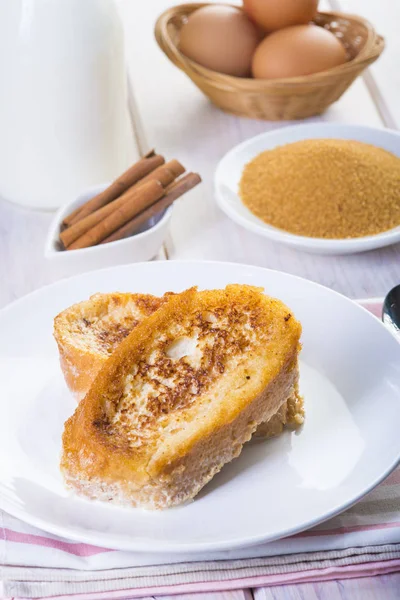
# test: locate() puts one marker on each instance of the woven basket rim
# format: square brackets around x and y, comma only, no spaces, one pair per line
[370,51]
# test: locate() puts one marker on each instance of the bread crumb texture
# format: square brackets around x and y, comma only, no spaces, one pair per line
[324,188]
[102,322]
[87,333]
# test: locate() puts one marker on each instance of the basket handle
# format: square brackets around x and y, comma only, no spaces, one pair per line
[164,40]
[374,52]
[378,47]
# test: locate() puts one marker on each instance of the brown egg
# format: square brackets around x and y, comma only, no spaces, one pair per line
[277,14]
[296,51]
[221,38]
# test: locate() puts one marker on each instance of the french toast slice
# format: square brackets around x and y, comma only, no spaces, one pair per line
[87,333]
[180,396]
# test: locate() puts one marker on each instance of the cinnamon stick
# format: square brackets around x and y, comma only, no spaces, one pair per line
[173,192]
[166,173]
[71,234]
[149,193]
[135,173]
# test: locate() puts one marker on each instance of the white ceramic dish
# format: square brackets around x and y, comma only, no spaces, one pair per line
[230,168]
[137,248]
[350,378]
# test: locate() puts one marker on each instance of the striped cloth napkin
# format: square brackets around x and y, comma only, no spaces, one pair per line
[364,540]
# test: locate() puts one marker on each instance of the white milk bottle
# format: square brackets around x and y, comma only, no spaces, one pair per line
[64,121]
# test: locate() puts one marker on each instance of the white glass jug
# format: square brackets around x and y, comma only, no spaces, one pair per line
[64,120]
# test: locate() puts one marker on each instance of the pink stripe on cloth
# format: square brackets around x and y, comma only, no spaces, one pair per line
[352,529]
[375,308]
[343,572]
[39,540]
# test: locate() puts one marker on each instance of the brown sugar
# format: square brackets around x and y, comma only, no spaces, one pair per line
[325,188]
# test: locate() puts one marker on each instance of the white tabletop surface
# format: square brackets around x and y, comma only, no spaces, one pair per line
[173,116]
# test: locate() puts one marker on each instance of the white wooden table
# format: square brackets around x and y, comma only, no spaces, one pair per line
[172,115]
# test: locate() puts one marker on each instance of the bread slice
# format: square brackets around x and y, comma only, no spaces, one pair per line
[290,415]
[180,396]
[87,333]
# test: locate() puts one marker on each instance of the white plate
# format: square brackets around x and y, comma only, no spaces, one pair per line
[230,168]
[350,378]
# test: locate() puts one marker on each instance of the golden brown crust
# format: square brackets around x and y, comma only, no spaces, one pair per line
[235,385]
[110,315]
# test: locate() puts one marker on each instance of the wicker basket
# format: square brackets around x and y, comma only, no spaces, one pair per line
[279,99]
